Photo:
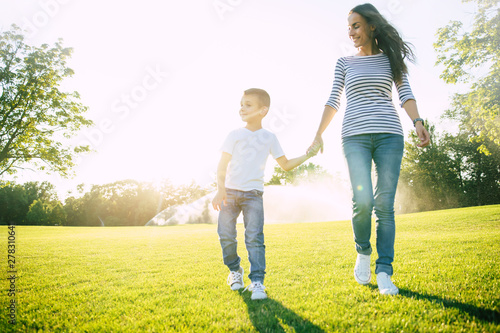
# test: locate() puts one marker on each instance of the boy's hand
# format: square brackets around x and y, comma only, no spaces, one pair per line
[318,140]
[313,149]
[219,198]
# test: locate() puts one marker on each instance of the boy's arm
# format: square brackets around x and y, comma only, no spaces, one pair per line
[220,197]
[288,165]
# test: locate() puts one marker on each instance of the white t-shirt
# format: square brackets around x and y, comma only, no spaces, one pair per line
[249,151]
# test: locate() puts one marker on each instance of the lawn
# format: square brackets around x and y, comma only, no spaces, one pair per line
[171,279]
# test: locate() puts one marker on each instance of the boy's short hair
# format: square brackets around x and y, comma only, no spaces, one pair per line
[263,96]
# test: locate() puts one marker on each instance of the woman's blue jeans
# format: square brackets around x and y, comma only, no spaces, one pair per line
[252,205]
[386,152]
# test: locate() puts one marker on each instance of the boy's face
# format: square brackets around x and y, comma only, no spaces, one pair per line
[251,109]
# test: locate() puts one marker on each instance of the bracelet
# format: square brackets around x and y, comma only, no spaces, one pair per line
[417,119]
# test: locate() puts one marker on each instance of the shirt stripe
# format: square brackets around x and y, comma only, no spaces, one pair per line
[368,81]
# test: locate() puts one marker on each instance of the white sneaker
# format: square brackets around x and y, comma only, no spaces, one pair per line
[257,290]
[235,279]
[362,272]
[385,284]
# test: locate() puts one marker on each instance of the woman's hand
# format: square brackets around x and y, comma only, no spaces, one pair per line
[318,140]
[313,149]
[423,135]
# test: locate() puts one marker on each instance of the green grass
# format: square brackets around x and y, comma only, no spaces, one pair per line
[170,279]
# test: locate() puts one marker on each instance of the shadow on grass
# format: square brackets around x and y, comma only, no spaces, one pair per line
[271,316]
[483,314]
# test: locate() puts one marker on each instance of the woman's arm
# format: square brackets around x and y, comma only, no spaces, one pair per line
[333,103]
[327,117]
[411,109]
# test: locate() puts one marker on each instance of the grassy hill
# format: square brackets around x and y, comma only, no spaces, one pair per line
[171,279]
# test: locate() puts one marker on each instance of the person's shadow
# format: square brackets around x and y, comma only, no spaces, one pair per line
[269,315]
[486,315]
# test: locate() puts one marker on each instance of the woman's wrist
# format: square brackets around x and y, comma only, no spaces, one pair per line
[416,120]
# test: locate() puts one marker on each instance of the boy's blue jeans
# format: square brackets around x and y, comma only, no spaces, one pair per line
[386,152]
[252,206]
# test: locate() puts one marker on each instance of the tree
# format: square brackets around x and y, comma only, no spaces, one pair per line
[428,178]
[127,202]
[308,172]
[450,172]
[465,55]
[37,214]
[74,211]
[57,215]
[40,190]
[13,204]
[15,200]
[479,173]
[35,116]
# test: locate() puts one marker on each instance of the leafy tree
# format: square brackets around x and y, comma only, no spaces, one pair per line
[57,215]
[74,211]
[428,179]
[14,204]
[37,214]
[177,195]
[450,172]
[479,173]
[35,116]
[127,202]
[15,200]
[308,172]
[40,190]
[465,55]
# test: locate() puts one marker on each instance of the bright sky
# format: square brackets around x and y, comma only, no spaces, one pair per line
[163,79]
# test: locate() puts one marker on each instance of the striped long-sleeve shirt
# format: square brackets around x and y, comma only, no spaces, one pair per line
[368,86]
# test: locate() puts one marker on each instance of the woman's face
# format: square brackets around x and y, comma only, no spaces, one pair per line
[359,30]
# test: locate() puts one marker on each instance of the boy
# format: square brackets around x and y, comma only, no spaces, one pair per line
[245,151]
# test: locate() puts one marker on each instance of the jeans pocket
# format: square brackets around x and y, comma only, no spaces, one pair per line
[258,193]
[230,202]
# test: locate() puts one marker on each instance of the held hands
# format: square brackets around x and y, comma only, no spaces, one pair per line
[315,147]
[423,135]
[219,199]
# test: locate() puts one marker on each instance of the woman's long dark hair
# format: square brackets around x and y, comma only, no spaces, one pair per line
[386,38]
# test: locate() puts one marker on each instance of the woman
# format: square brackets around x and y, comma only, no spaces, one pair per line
[371,131]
